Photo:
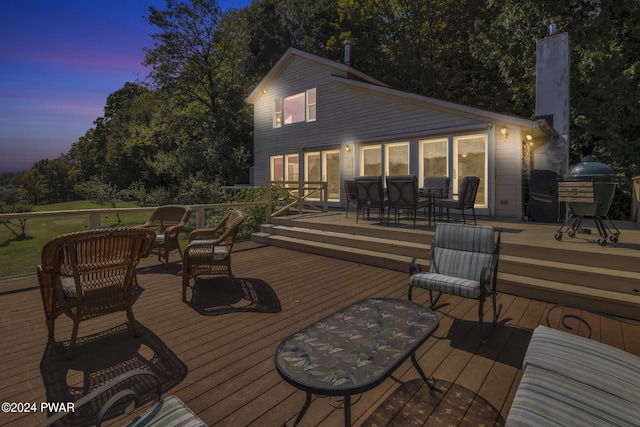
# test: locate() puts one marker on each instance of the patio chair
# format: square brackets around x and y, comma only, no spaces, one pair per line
[464,262]
[402,193]
[436,187]
[350,194]
[370,195]
[466,198]
[132,387]
[91,273]
[167,221]
[209,250]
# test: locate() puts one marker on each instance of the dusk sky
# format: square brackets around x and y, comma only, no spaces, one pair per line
[59,60]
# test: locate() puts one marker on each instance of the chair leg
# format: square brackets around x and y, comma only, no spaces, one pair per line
[132,320]
[72,342]
[474,216]
[433,300]
[480,316]
[185,283]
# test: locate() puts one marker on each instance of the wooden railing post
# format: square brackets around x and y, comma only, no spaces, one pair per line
[94,221]
[269,201]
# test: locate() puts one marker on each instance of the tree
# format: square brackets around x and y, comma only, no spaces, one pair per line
[195,62]
[605,83]
[34,187]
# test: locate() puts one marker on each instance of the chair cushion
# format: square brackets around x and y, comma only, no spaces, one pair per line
[218,253]
[463,264]
[68,286]
[545,398]
[447,284]
[159,239]
[465,238]
[170,411]
[599,365]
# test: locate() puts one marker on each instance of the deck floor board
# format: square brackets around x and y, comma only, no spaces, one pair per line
[216,351]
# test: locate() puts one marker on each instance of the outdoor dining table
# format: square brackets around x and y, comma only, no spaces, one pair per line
[354,349]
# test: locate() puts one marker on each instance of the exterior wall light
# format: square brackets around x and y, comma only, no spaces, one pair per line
[347,148]
[505,132]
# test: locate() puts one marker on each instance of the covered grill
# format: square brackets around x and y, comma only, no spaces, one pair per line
[589,188]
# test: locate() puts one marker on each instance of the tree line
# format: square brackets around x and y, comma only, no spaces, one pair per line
[186,130]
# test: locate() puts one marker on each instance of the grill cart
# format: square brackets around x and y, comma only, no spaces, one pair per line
[589,187]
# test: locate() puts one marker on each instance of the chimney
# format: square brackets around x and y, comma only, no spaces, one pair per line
[347,52]
[552,97]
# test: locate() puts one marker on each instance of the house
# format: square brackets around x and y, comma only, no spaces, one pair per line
[316,119]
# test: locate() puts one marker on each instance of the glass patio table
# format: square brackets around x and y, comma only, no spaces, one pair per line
[354,349]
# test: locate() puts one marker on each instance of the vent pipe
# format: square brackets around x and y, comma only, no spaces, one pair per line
[347,52]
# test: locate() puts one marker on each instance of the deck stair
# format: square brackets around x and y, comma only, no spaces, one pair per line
[583,275]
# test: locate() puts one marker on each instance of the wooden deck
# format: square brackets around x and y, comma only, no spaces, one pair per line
[216,353]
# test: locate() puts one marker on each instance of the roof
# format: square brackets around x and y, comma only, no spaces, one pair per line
[359,80]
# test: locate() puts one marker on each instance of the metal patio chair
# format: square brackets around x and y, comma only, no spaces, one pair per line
[464,262]
[370,195]
[466,198]
[402,194]
[350,194]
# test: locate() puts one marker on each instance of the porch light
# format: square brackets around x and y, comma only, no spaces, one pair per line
[505,132]
[530,139]
[347,148]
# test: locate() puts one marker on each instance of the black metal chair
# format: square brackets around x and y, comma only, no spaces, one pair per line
[466,198]
[402,194]
[350,194]
[435,187]
[370,195]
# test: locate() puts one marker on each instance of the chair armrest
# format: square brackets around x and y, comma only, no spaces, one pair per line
[414,267]
[115,398]
[204,234]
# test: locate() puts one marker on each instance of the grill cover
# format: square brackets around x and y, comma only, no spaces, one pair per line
[543,196]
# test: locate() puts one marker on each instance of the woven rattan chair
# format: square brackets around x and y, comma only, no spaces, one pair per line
[91,273]
[209,250]
[167,221]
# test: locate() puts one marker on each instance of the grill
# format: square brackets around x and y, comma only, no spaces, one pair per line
[588,188]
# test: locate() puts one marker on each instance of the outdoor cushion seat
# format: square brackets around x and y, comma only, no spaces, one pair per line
[544,398]
[207,250]
[582,359]
[447,284]
[464,262]
[169,411]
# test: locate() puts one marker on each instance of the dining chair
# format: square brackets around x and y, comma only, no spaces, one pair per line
[402,194]
[466,198]
[350,194]
[370,195]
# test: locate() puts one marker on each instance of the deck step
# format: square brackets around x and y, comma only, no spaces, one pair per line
[526,273]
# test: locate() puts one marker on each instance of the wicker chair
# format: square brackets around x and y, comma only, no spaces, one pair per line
[91,273]
[167,221]
[209,250]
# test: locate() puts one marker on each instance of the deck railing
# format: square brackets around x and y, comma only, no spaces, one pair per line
[297,197]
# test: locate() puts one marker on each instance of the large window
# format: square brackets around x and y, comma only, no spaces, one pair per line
[433,158]
[284,167]
[470,159]
[297,108]
[324,166]
[397,158]
[371,160]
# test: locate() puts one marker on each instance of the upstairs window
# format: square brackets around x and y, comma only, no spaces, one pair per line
[297,108]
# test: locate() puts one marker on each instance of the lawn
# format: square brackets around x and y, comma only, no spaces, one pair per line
[20,257]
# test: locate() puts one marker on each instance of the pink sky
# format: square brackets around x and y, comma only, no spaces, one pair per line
[59,60]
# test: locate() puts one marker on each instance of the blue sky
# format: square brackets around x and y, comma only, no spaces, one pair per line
[59,60]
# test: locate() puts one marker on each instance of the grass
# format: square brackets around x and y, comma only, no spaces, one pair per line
[21,257]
